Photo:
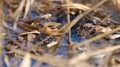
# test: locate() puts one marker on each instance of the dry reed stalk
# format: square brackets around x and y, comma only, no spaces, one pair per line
[96,37]
[18,12]
[116,3]
[46,58]
[8,27]
[84,57]
[29,3]
[26,61]
[2,30]
[68,20]
[73,22]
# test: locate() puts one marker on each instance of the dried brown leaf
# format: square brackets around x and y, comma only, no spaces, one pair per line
[51,28]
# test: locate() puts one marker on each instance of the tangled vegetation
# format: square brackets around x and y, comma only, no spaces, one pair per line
[59,33]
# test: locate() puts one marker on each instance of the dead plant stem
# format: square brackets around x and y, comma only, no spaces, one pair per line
[47,58]
[68,20]
[77,19]
[85,57]
[97,37]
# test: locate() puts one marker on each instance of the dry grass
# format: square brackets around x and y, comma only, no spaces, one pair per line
[24,46]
